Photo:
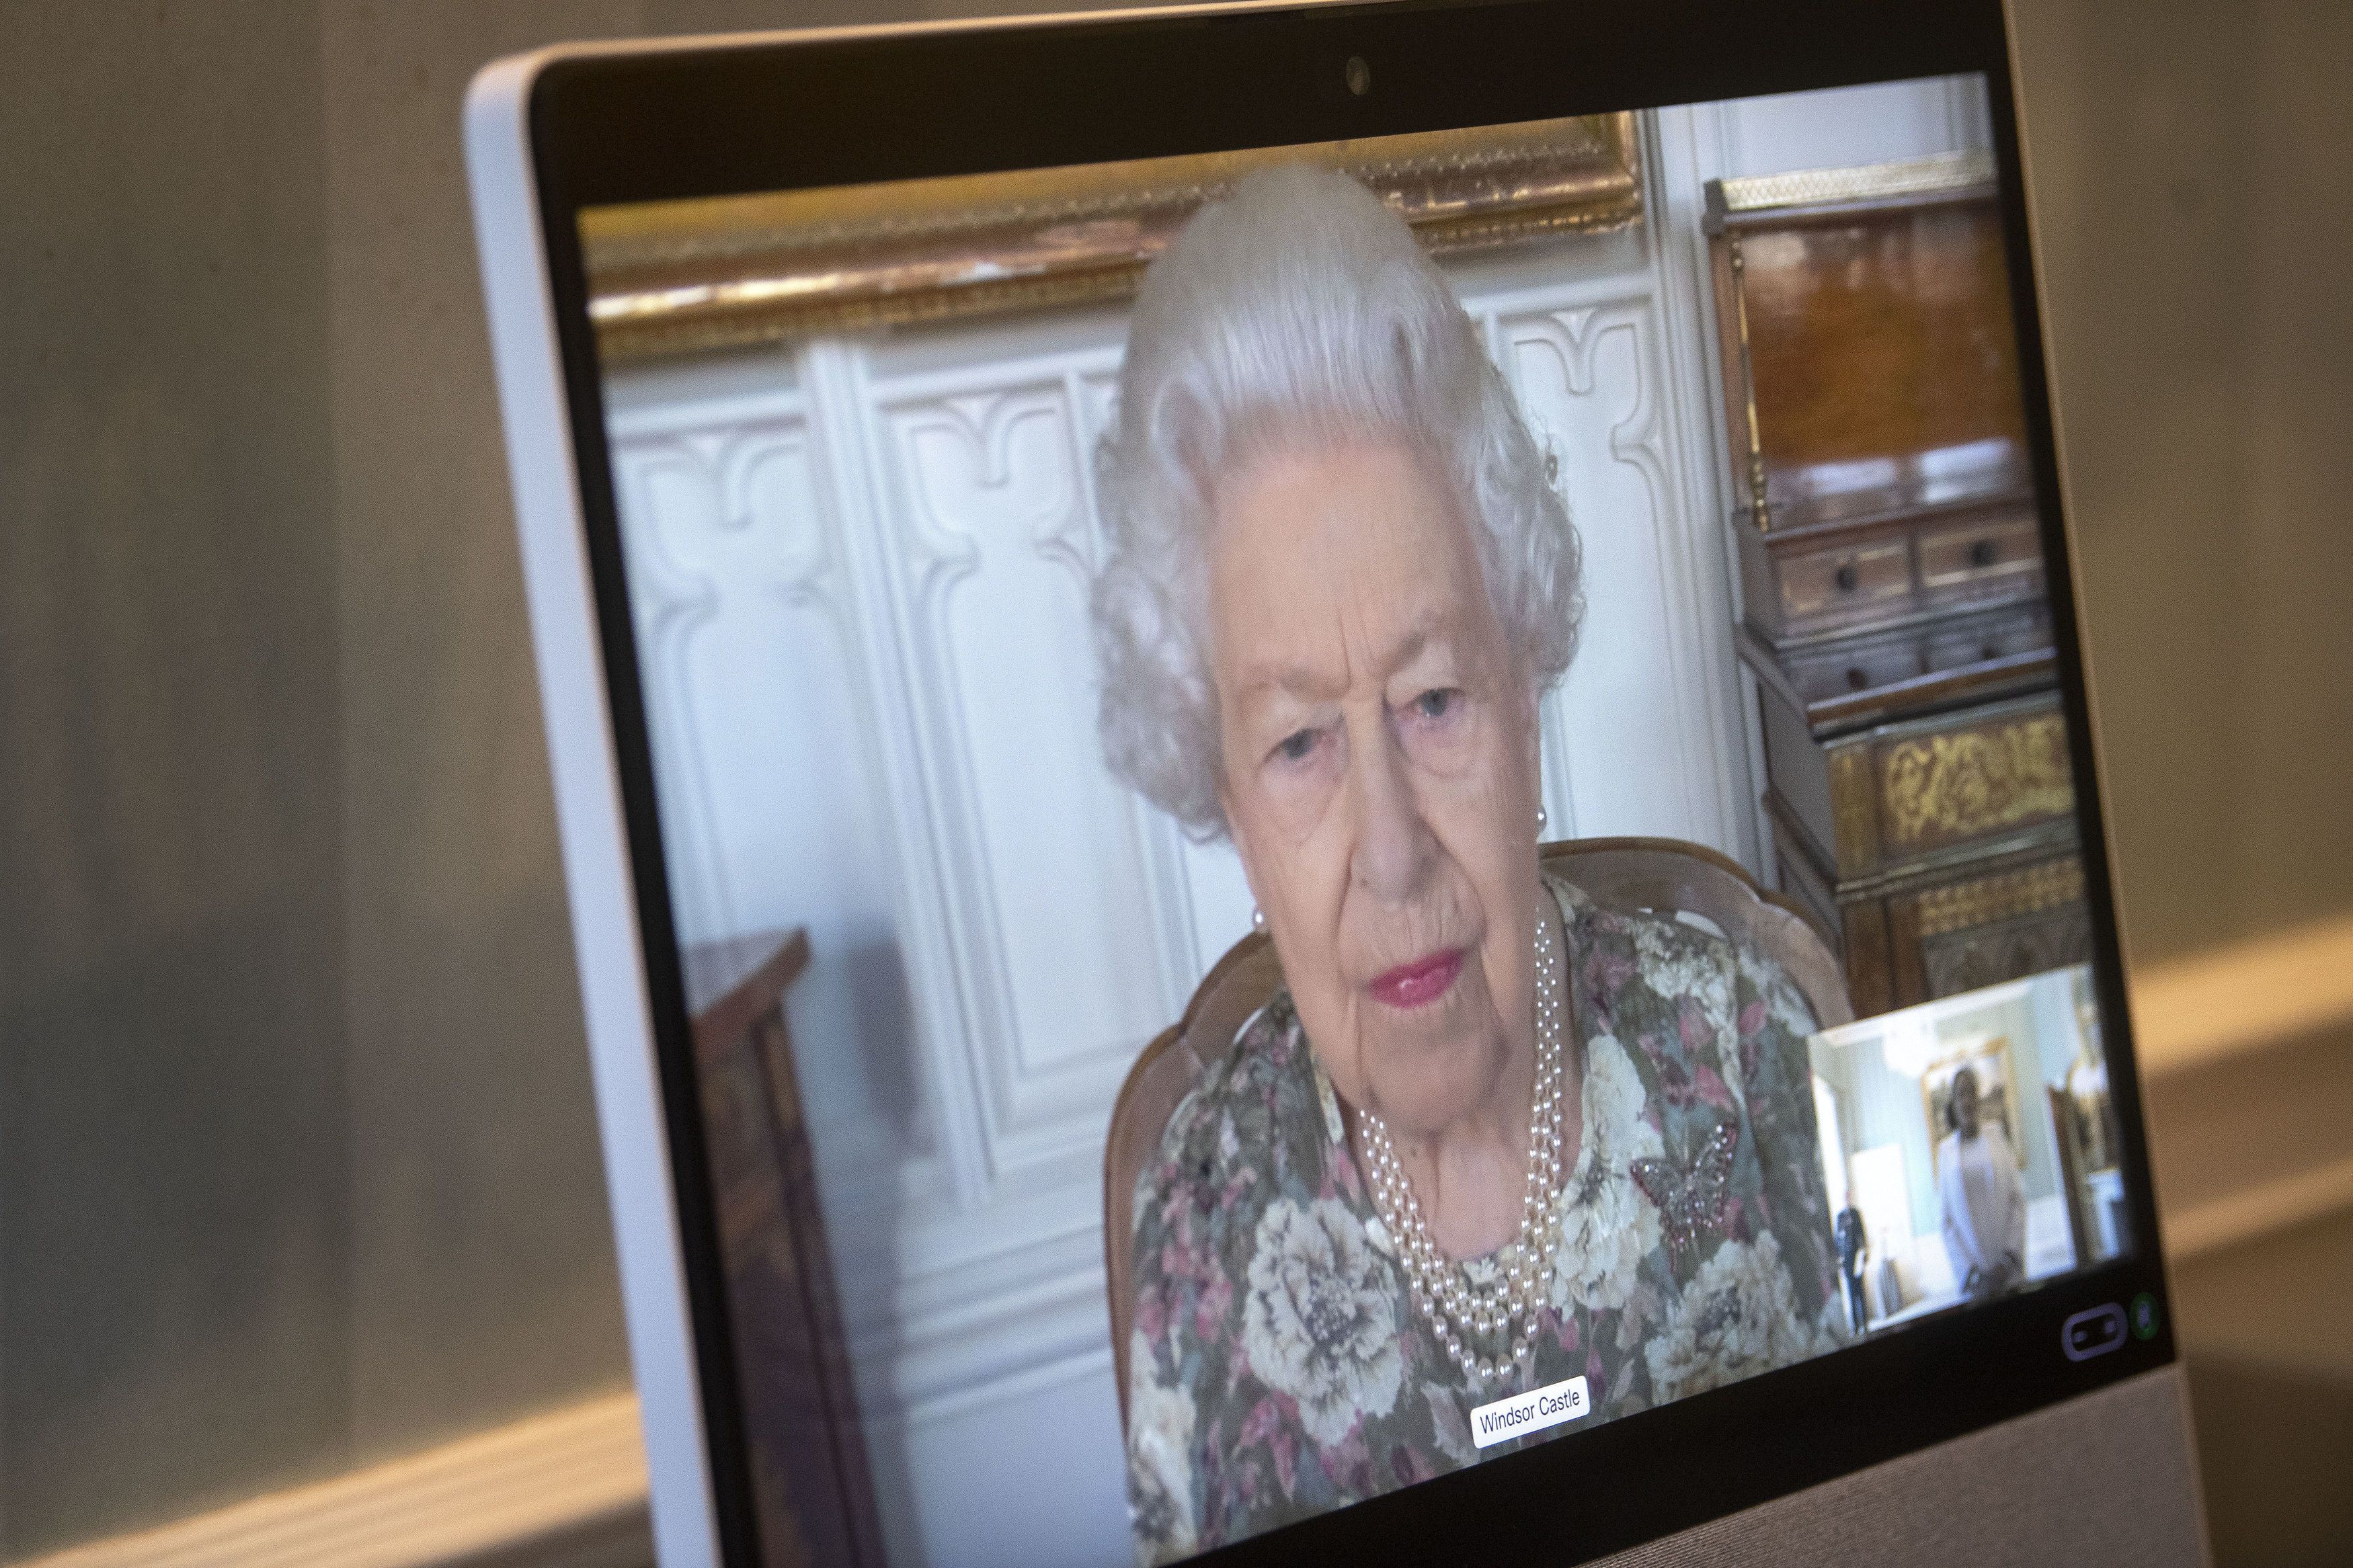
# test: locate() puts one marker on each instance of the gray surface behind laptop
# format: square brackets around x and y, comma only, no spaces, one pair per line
[2105,1479]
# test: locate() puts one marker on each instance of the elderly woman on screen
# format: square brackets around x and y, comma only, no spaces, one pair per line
[1491,1134]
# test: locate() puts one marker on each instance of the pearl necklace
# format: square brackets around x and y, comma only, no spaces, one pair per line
[1464,1314]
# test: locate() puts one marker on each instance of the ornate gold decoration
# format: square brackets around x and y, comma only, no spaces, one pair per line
[667,278]
[1937,174]
[1963,906]
[1942,787]
[1853,817]
[1996,1088]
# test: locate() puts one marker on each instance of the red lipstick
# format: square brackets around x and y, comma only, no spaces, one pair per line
[1417,984]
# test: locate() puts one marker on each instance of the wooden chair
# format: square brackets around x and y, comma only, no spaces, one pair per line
[1616,873]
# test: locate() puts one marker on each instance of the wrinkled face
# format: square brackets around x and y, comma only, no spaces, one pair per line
[1965,1102]
[1380,773]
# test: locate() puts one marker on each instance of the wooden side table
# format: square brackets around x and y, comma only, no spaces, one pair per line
[812,1487]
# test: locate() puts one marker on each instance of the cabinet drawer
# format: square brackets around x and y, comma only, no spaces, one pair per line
[1984,559]
[1860,665]
[1828,587]
[1982,639]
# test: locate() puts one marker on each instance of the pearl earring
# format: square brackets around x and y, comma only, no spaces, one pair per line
[1542,818]
[1257,918]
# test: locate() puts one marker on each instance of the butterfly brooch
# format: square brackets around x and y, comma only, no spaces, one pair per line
[1692,1202]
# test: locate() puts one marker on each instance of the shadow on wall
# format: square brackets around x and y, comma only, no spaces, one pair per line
[2274,1441]
[2192,166]
[2271,1373]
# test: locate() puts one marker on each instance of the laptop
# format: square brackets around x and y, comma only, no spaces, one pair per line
[1329,791]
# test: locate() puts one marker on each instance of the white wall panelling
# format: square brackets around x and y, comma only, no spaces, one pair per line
[1632,742]
[860,570]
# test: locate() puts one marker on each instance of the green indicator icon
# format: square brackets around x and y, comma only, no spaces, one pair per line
[2144,1316]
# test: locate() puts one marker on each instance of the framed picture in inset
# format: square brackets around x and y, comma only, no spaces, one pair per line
[1989,1063]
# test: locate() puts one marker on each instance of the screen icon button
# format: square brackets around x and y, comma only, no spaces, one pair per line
[2096,1331]
[2145,1316]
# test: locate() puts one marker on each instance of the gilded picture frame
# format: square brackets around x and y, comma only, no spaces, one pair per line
[688,276]
[1996,1093]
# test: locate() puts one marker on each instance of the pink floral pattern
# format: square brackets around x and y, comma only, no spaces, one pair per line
[1277,1367]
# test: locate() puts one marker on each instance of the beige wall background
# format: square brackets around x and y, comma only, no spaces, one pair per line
[297,1163]
[2192,170]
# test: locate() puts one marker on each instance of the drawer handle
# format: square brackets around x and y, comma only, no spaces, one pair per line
[1846,577]
[1856,679]
[1981,553]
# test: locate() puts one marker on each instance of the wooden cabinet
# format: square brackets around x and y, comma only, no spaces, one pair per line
[811,1486]
[1891,570]
[1940,847]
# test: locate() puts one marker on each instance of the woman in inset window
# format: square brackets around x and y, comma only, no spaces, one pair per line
[1984,1203]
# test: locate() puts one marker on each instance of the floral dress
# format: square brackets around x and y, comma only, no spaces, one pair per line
[1277,1366]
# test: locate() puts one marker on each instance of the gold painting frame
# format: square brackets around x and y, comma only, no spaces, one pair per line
[667,278]
[1998,1092]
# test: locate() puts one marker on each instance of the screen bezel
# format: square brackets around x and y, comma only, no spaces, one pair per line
[784,113]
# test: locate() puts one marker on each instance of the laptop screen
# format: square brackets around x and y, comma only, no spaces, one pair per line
[1342,814]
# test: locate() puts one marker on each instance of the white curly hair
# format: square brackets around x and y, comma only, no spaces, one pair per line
[1297,310]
